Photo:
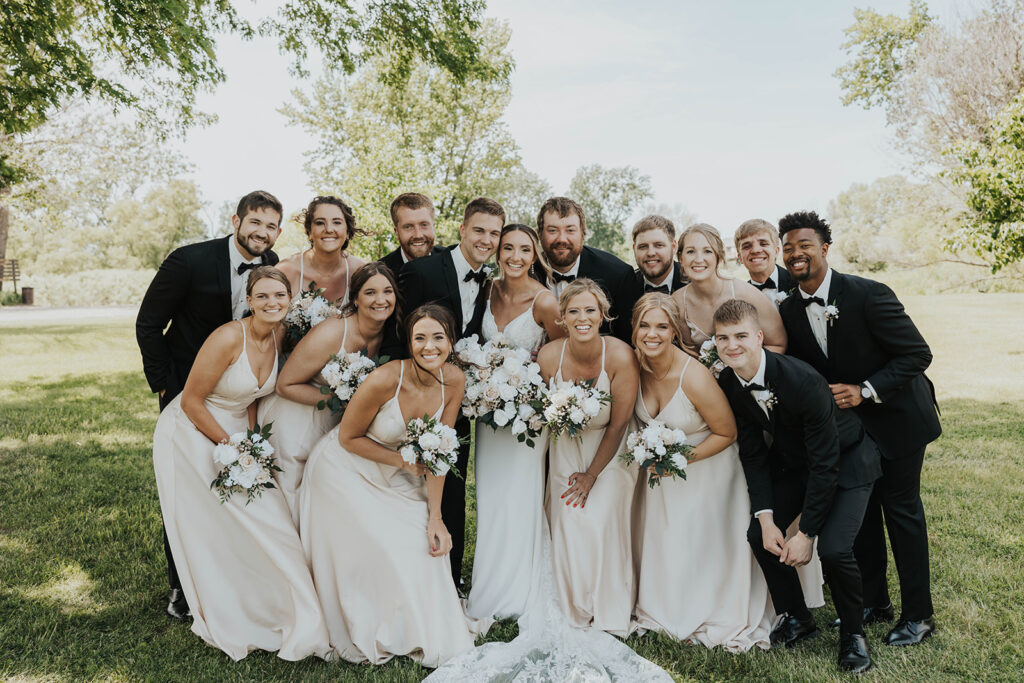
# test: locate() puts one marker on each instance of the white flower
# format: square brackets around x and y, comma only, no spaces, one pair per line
[225,453]
[265,448]
[576,415]
[264,477]
[679,461]
[244,477]
[408,454]
[518,426]
[429,441]
[246,461]
[491,393]
[441,467]
[501,418]
[831,313]
[237,438]
[591,406]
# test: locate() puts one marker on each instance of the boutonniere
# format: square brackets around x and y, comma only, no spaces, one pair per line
[779,296]
[831,313]
[769,399]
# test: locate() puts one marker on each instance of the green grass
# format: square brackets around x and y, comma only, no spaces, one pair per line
[82,579]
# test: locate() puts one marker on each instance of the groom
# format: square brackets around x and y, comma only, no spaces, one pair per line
[198,288]
[455,279]
[801,456]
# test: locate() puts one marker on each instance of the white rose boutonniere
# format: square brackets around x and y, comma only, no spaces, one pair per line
[831,313]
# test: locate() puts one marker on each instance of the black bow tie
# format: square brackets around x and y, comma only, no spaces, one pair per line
[813,300]
[559,277]
[652,288]
[478,275]
[754,386]
[242,267]
[767,284]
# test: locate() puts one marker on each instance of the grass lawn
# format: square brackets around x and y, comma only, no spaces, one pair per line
[82,575]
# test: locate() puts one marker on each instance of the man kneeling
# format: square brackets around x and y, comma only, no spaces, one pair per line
[801,456]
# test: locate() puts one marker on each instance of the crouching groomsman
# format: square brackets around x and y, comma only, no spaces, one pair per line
[801,456]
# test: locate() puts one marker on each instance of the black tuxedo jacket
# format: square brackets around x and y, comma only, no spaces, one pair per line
[636,290]
[432,279]
[192,292]
[874,340]
[615,277]
[804,436]
[394,261]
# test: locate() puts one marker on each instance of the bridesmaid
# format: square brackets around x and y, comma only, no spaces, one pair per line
[590,491]
[723,598]
[298,424]
[371,526]
[701,255]
[242,567]
[510,474]
[330,226]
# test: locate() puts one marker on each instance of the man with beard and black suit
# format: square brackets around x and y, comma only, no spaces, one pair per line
[563,229]
[455,280]
[855,332]
[801,456]
[413,216]
[757,249]
[654,248]
[197,289]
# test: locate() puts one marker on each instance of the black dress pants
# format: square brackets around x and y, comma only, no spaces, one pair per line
[453,502]
[172,571]
[898,495]
[835,550]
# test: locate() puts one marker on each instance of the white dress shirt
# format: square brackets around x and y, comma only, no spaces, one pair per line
[558,286]
[771,292]
[816,312]
[667,280]
[238,305]
[468,291]
[761,396]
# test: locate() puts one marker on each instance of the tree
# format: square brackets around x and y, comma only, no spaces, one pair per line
[609,197]
[143,232]
[681,217]
[429,133]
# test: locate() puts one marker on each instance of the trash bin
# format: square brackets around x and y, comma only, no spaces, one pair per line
[28,295]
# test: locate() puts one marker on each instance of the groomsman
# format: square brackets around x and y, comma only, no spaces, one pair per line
[563,229]
[801,456]
[654,248]
[413,215]
[454,279]
[855,332]
[197,289]
[757,249]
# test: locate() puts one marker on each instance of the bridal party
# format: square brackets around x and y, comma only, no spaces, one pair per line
[656,446]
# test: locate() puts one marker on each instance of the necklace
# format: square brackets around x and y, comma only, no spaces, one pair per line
[266,342]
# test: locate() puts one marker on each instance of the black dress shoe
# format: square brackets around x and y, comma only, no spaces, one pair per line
[908,632]
[853,653]
[873,615]
[791,631]
[177,607]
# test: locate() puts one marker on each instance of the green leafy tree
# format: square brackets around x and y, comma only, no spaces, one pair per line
[143,232]
[609,197]
[429,133]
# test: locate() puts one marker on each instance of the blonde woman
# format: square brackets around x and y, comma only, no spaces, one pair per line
[701,254]
[698,580]
[590,491]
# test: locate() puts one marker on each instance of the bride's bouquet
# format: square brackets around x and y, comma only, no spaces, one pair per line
[431,443]
[709,358]
[568,407]
[247,464]
[503,386]
[342,375]
[657,447]
[307,311]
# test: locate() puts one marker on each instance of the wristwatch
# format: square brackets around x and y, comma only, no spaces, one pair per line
[865,392]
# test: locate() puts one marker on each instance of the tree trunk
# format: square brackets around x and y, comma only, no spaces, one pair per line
[4,225]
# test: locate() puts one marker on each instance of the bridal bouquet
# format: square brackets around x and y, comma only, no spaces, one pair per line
[709,358]
[308,310]
[568,407]
[343,374]
[432,443]
[247,464]
[503,386]
[657,447]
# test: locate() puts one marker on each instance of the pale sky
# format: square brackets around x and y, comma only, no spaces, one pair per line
[730,107]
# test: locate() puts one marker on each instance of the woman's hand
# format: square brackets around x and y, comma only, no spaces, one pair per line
[580,484]
[438,537]
[417,469]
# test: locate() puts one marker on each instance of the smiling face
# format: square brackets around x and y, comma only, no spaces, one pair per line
[697,258]
[429,345]
[328,231]
[414,229]
[516,254]
[479,235]
[268,300]
[582,317]
[257,231]
[757,253]
[804,255]
[376,298]
[653,250]
[561,237]
[654,333]
[739,346]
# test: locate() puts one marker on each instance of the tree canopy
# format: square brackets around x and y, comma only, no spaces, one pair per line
[609,196]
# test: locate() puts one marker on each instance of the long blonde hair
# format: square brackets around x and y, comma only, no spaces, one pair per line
[651,302]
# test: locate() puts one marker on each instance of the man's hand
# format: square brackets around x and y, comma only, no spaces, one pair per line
[846,395]
[797,551]
[162,392]
[771,535]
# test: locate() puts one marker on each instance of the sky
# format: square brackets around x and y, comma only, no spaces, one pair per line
[731,108]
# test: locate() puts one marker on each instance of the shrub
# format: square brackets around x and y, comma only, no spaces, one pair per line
[90,287]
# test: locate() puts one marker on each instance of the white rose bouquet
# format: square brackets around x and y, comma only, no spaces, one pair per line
[433,444]
[709,358]
[567,407]
[307,311]
[503,386]
[657,447]
[343,374]
[247,464]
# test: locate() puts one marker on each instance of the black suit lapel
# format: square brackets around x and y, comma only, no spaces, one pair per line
[223,267]
[835,293]
[451,281]
[587,266]
[800,327]
[677,276]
